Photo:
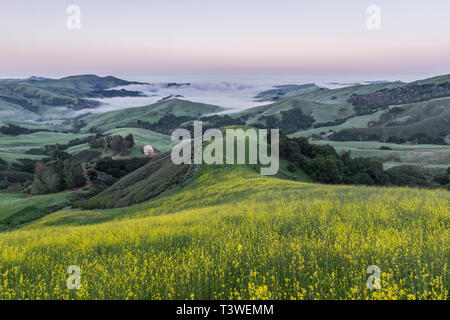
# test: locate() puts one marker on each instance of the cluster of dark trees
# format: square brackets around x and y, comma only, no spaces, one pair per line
[49,100]
[355,134]
[116,143]
[169,122]
[78,124]
[54,175]
[291,121]
[13,130]
[120,168]
[113,93]
[61,171]
[216,121]
[16,176]
[414,176]
[166,125]
[330,123]
[323,164]
[55,151]
[410,93]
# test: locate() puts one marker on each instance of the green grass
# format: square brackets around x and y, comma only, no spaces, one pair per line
[78,148]
[355,122]
[417,154]
[320,111]
[150,113]
[143,137]
[297,175]
[233,234]
[434,80]
[323,105]
[14,147]
[11,156]
[19,209]
[10,111]
[145,183]
[343,94]
[429,117]
[49,98]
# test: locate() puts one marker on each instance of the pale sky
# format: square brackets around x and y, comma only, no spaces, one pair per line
[139,38]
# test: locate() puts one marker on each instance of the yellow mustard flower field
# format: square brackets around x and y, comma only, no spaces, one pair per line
[233,234]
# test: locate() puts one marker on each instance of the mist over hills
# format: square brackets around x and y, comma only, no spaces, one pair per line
[77,178]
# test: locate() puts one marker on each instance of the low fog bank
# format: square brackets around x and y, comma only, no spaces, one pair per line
[234,96]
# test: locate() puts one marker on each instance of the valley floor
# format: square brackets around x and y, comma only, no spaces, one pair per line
[233,234]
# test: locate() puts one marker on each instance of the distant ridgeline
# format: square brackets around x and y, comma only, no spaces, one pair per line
[34,97]
[395,112]
[409,93]
[13,130]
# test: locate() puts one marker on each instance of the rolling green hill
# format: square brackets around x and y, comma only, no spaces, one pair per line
[434,80]
[399,154]
[147,182]
[424,120]
[12,148]
[322,104]
[151,113]
[142,137]
[320,111]
[285,91]
[354,122]
[342,94]
[78,85]
[18,209]
[334,109]
[36,98]
[233,234]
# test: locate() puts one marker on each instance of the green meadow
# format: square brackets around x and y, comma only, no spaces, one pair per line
[233,234]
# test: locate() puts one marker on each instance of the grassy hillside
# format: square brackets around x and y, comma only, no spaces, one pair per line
[79,84]
[14,147]
[143,137]
[434,80]
[11,111]
[324,105]
[330,107]
[320,111]
[18,209]
[147,182]
[150,113]
[24,98]
[417,154]
[35,98]
[285,91]
[355,122]
[233,234]
[429,118]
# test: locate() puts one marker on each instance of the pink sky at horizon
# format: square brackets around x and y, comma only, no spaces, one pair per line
[143,37]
